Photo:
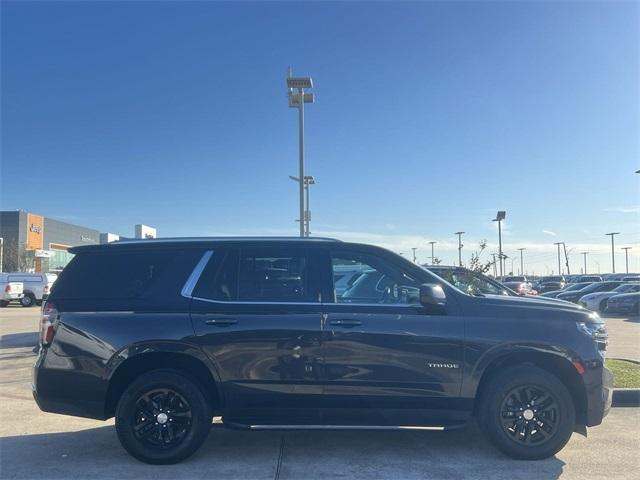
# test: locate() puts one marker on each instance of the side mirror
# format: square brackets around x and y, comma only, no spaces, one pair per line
[432,294]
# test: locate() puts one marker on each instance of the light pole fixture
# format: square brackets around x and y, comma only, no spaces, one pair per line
[432,243]
[613,256]
[460,245]
[559,264]
[297,100]
[522,249]
[500,216]
[584,254]
[308,180]
[414,254]
[626,257]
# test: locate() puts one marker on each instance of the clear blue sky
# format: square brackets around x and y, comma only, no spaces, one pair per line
[428,118]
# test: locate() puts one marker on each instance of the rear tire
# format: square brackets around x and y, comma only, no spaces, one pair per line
[527,413]
[603,305]
[3,303]
[163,417]
[28,300]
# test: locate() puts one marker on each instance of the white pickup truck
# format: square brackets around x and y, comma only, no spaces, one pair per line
[36,286]
[10,290]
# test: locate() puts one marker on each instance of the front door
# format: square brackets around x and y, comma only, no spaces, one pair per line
[388,359]
[256,312]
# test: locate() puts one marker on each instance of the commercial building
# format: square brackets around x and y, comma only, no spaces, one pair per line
[32,242]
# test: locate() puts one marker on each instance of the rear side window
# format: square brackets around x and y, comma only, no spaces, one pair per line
[111,275]
[264,274]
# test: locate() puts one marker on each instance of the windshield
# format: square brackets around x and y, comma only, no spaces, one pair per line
[552,279]
[515,279]
[577,286]
[627,288]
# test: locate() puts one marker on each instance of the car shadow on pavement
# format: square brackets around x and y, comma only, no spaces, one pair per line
[96,453]
[19,340]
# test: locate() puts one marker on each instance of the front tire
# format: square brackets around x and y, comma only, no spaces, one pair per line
[527,413]
[163,417]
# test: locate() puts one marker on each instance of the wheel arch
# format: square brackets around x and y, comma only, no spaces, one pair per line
[132,366]
[555,364]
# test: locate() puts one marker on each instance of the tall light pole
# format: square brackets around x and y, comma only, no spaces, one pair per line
[613,255]
[459,247]
[626,257]
[559,264]
[414,254]
[584,254]
[499,217]
[297,100]
[522,249]
[432,243]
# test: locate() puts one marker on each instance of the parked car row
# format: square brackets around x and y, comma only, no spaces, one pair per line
[28,289]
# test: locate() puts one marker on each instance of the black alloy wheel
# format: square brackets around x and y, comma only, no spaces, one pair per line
[162,418]
[529,414]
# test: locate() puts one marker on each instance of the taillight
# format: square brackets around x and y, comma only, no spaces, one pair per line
[7,289]
[47,321]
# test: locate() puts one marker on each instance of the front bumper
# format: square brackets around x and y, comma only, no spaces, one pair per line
[599,398]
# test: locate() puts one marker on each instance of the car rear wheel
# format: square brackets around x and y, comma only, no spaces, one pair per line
[28,300]
[3,303]
[527,413]
[163,417]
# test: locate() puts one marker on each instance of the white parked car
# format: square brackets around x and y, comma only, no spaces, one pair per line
[10,290]
[36,286]
[598,301]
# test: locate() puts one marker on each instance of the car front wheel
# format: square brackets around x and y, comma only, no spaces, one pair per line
[527,413]
[163,417]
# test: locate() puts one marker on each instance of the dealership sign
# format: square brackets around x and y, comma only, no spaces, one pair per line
[43,253]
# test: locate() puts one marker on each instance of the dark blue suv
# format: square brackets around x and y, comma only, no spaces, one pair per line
[281,333]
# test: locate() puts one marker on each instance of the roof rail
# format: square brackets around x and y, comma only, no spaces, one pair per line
[223,239]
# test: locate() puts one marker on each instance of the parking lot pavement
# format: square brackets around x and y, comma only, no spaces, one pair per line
[34,444]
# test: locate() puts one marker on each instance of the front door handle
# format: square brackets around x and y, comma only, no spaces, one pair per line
[346,323]
[221,322]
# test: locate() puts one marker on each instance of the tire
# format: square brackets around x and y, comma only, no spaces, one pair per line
[148,393]
[28,300]
[549,429]
[3,303]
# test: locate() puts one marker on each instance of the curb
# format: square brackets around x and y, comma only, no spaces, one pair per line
[626,397]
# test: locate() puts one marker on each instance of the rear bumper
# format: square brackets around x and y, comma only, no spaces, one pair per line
[67,391]
[599,399]
[8,297]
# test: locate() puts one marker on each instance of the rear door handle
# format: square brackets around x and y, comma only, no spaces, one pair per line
[221,322]
[346,323]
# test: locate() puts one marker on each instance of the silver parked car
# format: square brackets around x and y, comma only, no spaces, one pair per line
[598,301]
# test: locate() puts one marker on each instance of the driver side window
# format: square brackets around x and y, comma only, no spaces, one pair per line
[366,279]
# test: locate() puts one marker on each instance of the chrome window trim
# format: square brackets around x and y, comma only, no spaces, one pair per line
[187,289]
[224,302]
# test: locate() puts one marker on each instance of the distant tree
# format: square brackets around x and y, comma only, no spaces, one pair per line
[14,258]
[476,263]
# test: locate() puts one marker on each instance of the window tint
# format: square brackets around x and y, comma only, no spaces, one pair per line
[219,280]
[273,275]
[366,279]
[256,275]
[111,275]
[474,284]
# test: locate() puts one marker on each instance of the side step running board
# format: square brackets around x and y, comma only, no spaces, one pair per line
[342,427]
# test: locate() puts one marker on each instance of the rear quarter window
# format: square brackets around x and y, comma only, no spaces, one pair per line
[111,275]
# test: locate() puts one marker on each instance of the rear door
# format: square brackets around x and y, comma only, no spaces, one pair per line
[388,359]
[256,312]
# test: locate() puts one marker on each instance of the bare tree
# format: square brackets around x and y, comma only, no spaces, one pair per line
[476,264]
[15,259]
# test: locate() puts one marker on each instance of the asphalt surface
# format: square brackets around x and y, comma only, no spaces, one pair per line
[34,444]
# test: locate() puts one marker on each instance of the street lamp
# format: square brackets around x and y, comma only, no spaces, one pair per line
[522,249]
[432,243]
[460,245]
[308,180]
[613,256]
[559,264]
[626,257]
[584,254]
[499,217]
[297,100]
